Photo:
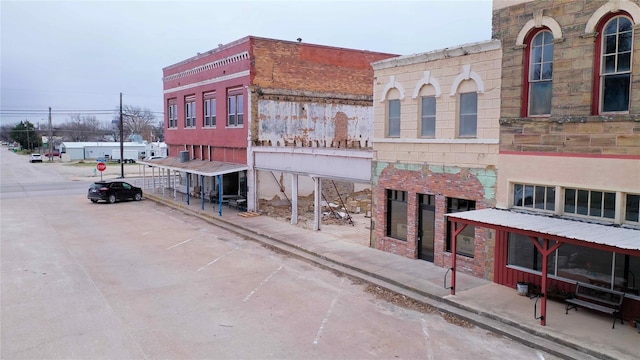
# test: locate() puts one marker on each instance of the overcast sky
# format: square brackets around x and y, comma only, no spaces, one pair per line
[79,55]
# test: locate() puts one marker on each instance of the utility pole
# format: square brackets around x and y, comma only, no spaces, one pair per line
[50,141]
[26,126]
[121,142]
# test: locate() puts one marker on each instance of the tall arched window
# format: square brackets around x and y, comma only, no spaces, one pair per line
[614,49]
[539,74]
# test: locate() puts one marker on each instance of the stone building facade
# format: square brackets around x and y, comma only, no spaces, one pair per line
[568,189]
[436,151]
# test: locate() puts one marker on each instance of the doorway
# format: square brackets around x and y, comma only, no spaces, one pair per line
[426,226]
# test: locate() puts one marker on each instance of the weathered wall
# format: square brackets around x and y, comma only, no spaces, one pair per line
[309,124]
[443,182]
[301,66]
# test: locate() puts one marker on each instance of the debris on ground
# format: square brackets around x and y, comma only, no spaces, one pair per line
[412,304]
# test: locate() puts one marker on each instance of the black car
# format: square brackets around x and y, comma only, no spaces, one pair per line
[112,191]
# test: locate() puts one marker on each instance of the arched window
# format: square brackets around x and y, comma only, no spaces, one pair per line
[614,47]
[539,74]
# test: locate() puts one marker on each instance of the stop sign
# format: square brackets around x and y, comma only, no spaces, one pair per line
[102,166]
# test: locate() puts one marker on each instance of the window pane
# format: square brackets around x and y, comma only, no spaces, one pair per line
[468,114]
[539,197]
[428,116]
[610,44]
[609,205]
[616,93]
[540,98]
[583,202]
[609,64]
[468,125]
[632,209]
[536,71]
[394,118]
[624,62]
[624,42]
[232,104]
[627,268]
[528,195]
[584,264]
[397,214]
[536,53]
[595,207]
[517,195]
[468,103]
[547,71]
[523,253]
[551,198]
[537,40]
[612,27]
[624,24]
[570,201]
[240,106]
[547,53]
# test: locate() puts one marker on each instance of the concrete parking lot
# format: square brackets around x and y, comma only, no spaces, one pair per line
[141,280]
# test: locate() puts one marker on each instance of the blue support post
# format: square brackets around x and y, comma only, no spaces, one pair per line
[202,190]
[220,194]
[188,186]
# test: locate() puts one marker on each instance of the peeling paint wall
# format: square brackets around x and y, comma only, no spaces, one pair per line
[311,124]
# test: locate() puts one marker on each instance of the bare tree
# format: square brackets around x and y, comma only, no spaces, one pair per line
[136,121]
[81,128]
[5,132]
[158,131]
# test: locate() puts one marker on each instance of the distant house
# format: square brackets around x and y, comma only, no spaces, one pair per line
[74,151]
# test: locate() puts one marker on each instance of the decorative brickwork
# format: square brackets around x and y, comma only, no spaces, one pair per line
[443,182]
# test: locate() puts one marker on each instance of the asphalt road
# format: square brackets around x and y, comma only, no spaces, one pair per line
[137,280]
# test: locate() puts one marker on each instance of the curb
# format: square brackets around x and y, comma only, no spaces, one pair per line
[528,336]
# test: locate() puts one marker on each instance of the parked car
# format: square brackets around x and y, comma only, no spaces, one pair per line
[35,158]
[153,158]
[53,153]
[112,191]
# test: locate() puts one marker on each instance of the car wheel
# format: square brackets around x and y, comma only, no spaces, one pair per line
[112,199]
[94,201]
[137,197]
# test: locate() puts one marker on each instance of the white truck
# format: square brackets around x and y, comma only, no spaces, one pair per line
[130,156]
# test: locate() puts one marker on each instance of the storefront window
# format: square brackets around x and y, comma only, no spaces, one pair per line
[397,214]
[578,263]
[465,241]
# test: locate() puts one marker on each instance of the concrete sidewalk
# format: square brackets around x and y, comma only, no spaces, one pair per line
[578,335]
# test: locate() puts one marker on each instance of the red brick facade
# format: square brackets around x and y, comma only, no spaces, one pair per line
[448,183]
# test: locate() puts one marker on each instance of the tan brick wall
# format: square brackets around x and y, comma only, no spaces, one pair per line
[445,146]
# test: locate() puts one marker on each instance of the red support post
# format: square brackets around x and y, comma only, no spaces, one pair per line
[545,262]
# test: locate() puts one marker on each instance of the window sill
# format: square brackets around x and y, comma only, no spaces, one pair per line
[234,126]
[460,254]
[387,237]
[437,141]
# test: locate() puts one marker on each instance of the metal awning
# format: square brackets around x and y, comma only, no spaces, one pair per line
[603,234]
[200,167]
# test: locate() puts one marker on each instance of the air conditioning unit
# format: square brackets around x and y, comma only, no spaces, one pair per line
[184,156]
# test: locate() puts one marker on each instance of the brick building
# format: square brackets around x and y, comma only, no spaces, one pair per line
[258,110]
[568,190]
[436,151]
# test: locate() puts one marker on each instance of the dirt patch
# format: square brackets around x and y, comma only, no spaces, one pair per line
[411,304]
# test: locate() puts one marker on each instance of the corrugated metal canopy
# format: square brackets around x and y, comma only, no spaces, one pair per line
[200,167]
[624,238]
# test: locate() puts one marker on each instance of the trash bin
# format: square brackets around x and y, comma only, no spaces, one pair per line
[522,288]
